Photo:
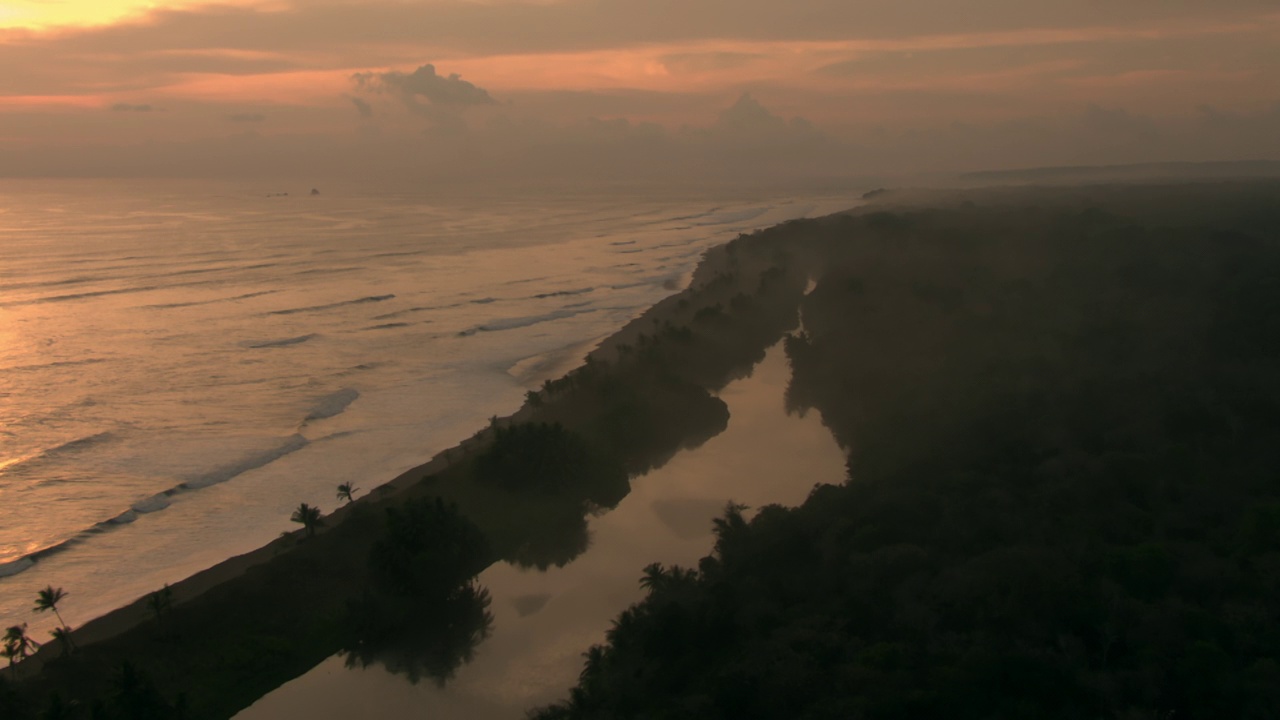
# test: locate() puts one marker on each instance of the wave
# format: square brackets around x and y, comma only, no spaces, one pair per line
[524,321]
[246,296]
[57,364]
[124,518]
[159,501]
[331,306]
[250,462]
[116,291]
[409,311]
[283,342]
[388,326]
[332,404]
[55,451]
[525,281]
[81,296]
[427,308]
[10,287]
[13,567]
[330,271]
[564,293]
[695,216]
[628,286]
[155,503]
[733,216]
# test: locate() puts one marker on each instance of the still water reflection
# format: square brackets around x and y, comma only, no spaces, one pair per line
[543,621]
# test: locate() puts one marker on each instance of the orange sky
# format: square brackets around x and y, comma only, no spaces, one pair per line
[118,72]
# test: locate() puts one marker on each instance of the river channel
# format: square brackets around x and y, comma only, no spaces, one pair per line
[544,620]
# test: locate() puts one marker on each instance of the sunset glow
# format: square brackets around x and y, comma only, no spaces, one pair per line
[44,15]
[182,70]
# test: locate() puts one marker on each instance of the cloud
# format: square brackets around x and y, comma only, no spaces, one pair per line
[1128,75]
[424,84]
[748,116]
[697,62]
[748,122]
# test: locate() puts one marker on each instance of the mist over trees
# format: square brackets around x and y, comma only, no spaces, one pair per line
[1063,425]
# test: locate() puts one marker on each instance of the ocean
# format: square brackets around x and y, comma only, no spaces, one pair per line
[182,364]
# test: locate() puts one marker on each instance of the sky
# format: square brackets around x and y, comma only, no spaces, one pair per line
[595,91]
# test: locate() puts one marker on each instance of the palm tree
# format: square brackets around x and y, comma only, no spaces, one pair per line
[346,490]
[17,645]
[593,666]
[48,599]
[654,577]
[63,636]
[309,517]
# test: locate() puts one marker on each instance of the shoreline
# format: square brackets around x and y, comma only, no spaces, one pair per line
[715,263]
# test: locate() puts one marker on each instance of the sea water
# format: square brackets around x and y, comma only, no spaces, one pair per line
[181,365]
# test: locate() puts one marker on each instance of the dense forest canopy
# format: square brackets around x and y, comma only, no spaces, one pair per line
[1063,416]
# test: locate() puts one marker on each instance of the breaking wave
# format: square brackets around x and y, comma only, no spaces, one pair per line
[332,404]
[250,462]
[159,501]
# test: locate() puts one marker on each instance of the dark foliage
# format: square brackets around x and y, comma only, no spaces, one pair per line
[549,459]
[134,697]
[421,615]
[1064,425]
[428,547]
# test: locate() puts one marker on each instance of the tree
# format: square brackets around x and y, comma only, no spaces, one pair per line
[48,599]
[593,666]
[654,577]
[63,636]
[160,601]
[346,491]
[308,517]
[17,645]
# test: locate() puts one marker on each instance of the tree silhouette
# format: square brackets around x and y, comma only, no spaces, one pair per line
[160,601]
[18,645]
[63,636]
[308,517]
[346,490]
[654,577]
[593,665]
[48,599]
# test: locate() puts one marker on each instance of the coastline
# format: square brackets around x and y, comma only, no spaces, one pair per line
[707,284]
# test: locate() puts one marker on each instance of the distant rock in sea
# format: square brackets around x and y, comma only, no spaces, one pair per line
[315,191]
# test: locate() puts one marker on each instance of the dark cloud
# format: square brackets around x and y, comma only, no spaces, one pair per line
[126,107]
[424,84]
[362,107]
[247,117]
